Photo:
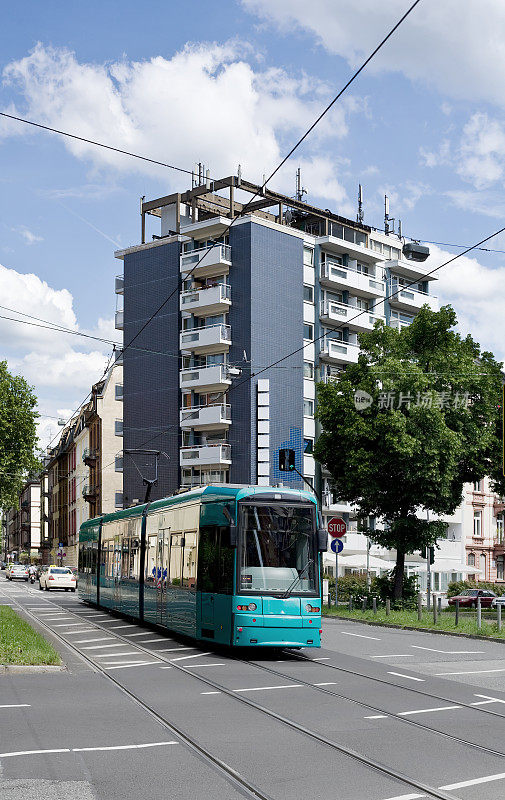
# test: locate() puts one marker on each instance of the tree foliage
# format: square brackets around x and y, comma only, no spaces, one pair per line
[18,435]
[433,424]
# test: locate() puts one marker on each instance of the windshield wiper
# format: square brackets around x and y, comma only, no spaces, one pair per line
[290,587]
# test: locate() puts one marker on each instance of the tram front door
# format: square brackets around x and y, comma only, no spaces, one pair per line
[162,560]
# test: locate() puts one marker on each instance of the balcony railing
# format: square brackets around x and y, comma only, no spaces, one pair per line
[211,299]
[351,315]
[119,321]
[204,477]
[89,492]
[204,260]
[337,350]
[410,297]
[205,455]
[346,276]
[209,339]
[206,417]
[205,379]
[89,456]
[119,284]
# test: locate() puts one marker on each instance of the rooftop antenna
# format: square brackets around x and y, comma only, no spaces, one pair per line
[239,175]
[387,219]
[400,229]
[300,191]
[360,215]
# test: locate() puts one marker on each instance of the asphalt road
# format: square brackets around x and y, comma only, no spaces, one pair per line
[412,703]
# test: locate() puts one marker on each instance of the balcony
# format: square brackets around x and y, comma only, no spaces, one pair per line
[206,379]
[214,260]
[335,275]
[211,339]
[89,456]
[119,322]
[119,284]
[337,352]
[206,418]
[409,299]
[353,317]
[203,302]
[204,478]
[89,492]
[208,455]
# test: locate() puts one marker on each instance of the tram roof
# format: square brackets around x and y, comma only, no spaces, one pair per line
[211,492]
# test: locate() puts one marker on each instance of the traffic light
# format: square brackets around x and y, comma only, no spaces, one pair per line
[286,460]
[428,551]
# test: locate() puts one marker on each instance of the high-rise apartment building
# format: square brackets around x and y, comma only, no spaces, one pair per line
[287,283]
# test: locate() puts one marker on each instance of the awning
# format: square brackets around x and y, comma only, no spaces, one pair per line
[358,561]
[445,565]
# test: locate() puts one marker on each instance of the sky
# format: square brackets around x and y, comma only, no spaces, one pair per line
[227,83]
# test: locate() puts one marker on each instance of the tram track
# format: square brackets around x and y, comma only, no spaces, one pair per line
[229,771]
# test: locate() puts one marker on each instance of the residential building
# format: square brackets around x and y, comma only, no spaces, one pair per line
[483,513]
[22,525]
[286,281]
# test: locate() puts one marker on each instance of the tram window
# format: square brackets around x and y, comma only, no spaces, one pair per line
[215,560]
[174,573]
[150,573]
[189,560]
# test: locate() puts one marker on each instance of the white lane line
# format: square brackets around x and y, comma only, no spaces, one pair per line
[116,655]
[461,785]
[121,747]
[450,652]
[376,716]
[70,624]
[142,633]
[489,699]
[133,664]
[85,641]
[185,658]
[151,641]
[107,620]
[425,711]
[173,649]
[86,749]
[192,666]
[101,646]
[360,635]
[116,627]
[469,672]
[34,752]
[210,692]
[406,797]
[396,655]
[326,658]
[16,705]
[266,688]
[410,678]
[328,683]
[79,631]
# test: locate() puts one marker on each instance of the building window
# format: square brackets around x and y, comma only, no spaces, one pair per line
[483,564]
[118,499]
[499,528]
[478,486]
[308,256]
[118,463]
[499,568]
[308,332]
[118,427]
[471,559]
[477,524]
[119,391]
[308,446]
[308,408]
[308,293]
[308,370]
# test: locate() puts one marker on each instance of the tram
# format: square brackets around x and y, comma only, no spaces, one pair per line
[235,565]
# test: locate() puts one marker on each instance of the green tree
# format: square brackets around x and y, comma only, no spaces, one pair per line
[433,424]
[18,435]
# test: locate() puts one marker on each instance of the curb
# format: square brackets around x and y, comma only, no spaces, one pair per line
[20,668]
[419,630]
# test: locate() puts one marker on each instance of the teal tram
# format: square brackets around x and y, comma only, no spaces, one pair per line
[236,565]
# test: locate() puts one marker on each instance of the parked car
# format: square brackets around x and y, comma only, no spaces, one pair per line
[57,578]
[498,601]
[468,598]
[17,572]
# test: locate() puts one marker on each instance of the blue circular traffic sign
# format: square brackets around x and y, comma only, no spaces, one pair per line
[337,545]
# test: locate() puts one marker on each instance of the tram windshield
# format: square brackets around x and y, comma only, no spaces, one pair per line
[278,552]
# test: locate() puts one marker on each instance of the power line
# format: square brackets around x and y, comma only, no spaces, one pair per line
[95,143]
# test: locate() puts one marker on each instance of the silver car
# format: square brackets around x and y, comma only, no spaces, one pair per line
[17,572]
[498,601]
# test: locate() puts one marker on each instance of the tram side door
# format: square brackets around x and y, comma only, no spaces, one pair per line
[116,566]
[162,560]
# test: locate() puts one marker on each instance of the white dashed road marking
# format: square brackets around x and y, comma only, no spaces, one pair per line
[410,677]
[266,688]
[425,710]
[360,635]
[450,652]
[17,705]
[86,749]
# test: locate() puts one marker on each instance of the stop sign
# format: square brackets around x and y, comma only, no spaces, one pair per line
[336,527]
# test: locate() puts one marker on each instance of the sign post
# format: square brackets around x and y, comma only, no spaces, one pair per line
[336,529]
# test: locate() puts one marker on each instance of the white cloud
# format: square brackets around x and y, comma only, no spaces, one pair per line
[477,294]
[203,104]
[28,236]
[61,367]
[456,47]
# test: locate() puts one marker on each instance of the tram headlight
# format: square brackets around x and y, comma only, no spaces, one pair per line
[252,607]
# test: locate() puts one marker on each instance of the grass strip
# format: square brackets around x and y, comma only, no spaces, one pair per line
[445,622]
[20,644]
